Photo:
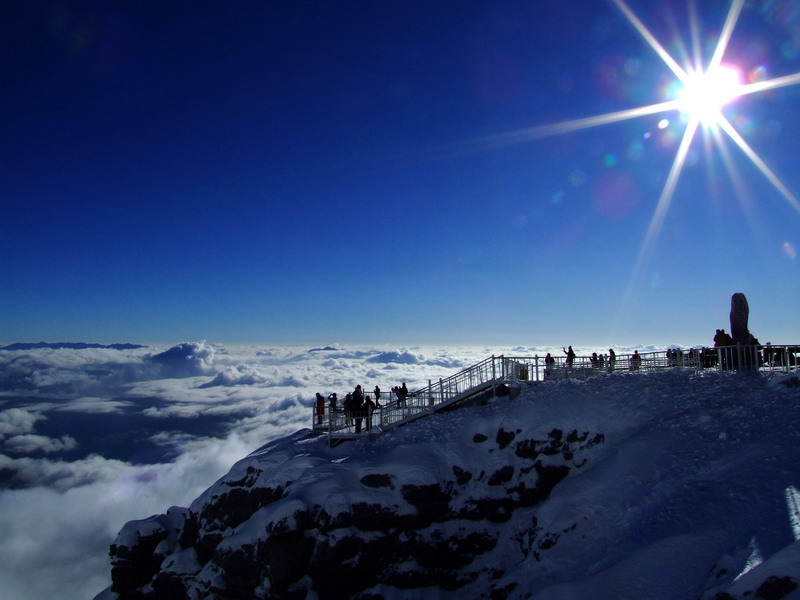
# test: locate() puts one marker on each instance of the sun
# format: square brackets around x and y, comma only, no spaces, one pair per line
[703,91]
[704,94]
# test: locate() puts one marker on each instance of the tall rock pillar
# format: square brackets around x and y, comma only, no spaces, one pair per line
[740,312]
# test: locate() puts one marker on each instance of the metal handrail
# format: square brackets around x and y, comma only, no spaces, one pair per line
[780,358]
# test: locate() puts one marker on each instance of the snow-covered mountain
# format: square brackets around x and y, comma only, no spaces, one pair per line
[675,485]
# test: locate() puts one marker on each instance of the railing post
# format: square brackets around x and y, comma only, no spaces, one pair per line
[494,378]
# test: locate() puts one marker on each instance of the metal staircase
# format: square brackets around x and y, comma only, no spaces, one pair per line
[479,379]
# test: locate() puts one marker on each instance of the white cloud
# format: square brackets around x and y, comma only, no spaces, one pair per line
[95,405]
[186,359]
[55,543]
[240,375]
[16,421]
[32,443]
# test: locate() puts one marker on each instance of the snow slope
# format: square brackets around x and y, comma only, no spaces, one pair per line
[674,485]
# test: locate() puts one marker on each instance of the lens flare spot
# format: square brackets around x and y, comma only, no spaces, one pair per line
[788,250]
[635,150]
[668,139]
[790,49]
[633,66]
[663,124]
[757,74]
[614,195]
[557,197]
[577,178]
[610,161]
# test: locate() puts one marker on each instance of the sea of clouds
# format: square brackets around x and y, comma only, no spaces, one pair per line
[93,437]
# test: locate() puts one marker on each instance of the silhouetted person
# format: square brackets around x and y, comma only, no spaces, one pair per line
[722,339]
[635,361]
[612,359]
[369,406]
[348,409]
[333,400]
[358,407]
[570,356]
[377,392]
[320,408]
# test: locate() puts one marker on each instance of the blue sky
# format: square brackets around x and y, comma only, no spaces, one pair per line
[285,172]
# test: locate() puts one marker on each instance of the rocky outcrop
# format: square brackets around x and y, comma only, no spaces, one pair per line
[740,313]
[290,519]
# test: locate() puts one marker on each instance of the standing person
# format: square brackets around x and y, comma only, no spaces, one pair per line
[377,392]
[320,408]
[612,359]
[369,406]
[358,395]
[348,409]
[333,400]
[357,400]
[635,361]
[570,356]
[404,392]
[549,364]
[358,407]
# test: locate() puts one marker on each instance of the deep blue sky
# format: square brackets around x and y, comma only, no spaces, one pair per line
[301,172]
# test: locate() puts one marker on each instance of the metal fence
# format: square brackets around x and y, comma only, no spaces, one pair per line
[770,358]
[496,370]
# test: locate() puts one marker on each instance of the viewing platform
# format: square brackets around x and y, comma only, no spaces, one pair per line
[504,375]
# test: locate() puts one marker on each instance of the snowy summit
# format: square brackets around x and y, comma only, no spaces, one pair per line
[671,485]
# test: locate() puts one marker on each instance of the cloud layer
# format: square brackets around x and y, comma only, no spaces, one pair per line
[93,437]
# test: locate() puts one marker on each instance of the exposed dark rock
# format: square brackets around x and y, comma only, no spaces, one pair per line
[461,475]
[376,480]
[135,565]
[504,438]
[343,548]
[776,588]
[431,502]
[501,476]
[237,505]
[740,313]
[527,449]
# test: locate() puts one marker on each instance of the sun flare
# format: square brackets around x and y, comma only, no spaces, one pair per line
[704,94]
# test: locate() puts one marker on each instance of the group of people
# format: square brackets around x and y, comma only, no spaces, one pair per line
[599,361]
[401,392]
[357,405]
